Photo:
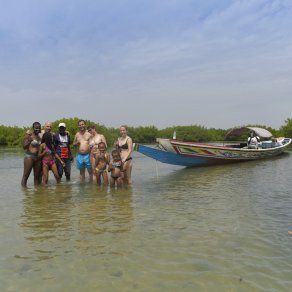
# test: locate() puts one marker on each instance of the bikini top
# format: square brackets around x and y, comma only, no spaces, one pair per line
[35,143]
[124,146]
[93,141]
[117,164]
[49,151]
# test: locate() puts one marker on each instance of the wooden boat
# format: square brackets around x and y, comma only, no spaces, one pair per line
[191,154]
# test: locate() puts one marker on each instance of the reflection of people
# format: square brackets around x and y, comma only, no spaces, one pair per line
[62,146]
[125,145]
[252,141]
[48,155]
[46,216]
[31,144]
[81,141]
[101,162]
[116,169]
[94,140]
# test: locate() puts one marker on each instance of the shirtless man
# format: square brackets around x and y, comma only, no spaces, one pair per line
[81,141]
[31,145]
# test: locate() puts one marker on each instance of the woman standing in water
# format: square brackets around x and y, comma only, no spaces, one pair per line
[31,145]
[94,140]
[125,146]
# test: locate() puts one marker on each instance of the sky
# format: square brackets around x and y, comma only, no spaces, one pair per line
[165,63]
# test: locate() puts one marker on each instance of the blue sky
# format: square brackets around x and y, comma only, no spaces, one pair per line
[153,62]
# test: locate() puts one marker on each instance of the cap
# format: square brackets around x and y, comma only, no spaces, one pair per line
[62,125]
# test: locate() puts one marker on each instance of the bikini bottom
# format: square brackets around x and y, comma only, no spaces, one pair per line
[48,163]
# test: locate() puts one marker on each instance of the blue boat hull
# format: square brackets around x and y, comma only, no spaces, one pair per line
[171,158]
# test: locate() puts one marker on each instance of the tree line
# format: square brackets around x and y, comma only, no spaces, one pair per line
[13,136]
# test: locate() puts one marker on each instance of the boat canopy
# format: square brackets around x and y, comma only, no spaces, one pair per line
[263,133]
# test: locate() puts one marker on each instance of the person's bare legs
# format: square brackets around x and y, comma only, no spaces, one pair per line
[45,174]
[90,172]
[37,172]
[128,172]
[82,174]
[27,167]
[105,178]
[55,172]
[97,178]
[93,171]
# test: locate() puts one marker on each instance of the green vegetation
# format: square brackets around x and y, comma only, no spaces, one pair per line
[12,136]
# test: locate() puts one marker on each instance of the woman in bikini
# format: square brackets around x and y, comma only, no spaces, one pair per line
[101,163]
[94,140]
[116,169]
[125,146]
[31,145]
[48,155]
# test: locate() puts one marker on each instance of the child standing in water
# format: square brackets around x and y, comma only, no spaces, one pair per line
[116,169]
[48,155]
[101,162]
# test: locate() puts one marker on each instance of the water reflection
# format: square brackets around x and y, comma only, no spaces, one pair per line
[67,218]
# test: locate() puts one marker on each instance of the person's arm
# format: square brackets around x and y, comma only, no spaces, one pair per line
[69,149]
[103,139]
[42,151]
[110,167]
[75,141]
[59,158]
[107,158]
[26,141]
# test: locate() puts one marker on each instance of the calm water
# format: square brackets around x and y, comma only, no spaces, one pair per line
[219,228]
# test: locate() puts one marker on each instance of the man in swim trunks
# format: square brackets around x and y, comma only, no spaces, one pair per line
[31,145]
[81,141]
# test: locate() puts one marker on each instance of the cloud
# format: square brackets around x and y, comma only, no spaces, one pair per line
[187,58]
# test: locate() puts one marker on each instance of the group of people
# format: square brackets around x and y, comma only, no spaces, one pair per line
[253,142]
[45,151]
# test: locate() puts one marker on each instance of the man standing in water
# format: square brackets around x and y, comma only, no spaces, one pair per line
[81,141]
[62,145]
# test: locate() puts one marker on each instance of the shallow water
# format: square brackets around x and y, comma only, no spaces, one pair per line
[219,228]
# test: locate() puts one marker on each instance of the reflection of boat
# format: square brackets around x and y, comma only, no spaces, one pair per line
[189,154]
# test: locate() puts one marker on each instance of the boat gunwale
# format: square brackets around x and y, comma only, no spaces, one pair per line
[224,147]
